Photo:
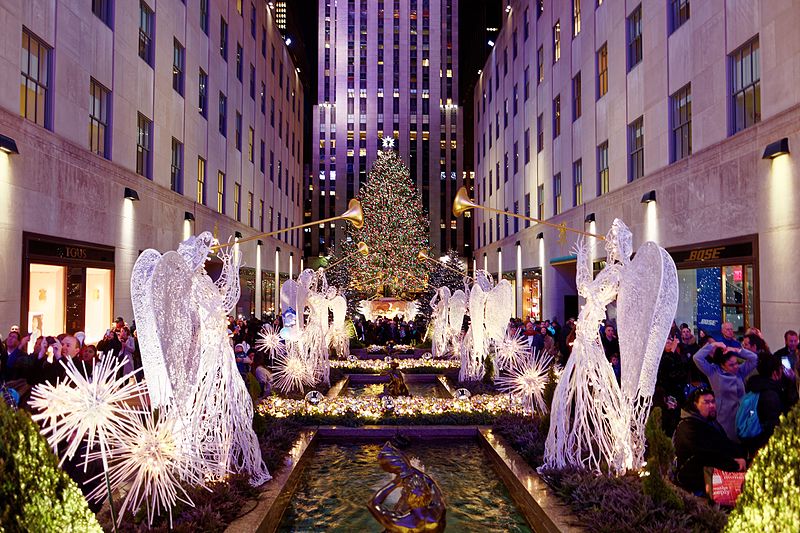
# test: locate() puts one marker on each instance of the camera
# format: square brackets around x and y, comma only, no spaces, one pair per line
[50,340]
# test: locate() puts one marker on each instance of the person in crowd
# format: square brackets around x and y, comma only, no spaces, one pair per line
[262,373]
[611,347]
[51,351]
[700,441]
[726,376]
[790,350]
[754,341]
[243,360]
[729,336]
[703,338]
[564,342]
[687,347]
[88,357]
[672,376]
[15,348]
[127,349]
[775,397]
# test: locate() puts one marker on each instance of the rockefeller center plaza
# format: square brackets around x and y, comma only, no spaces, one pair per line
[400,266]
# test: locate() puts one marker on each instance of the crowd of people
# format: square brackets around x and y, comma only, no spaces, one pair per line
[721,396]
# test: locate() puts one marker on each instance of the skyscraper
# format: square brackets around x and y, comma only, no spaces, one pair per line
[386,69]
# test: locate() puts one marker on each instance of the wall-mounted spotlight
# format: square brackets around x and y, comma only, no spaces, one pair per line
[8,145]
[540,235]
[130,194]
[589,218]
[777,148]
[259,242]
[187,215]
[648,197]
[237,234]
[517,243]
[490,42]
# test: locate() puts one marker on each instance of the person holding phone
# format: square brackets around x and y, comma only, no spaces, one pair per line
[790,353]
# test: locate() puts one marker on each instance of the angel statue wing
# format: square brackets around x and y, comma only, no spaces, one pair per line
[304,289]
[177,323]
[477,303]
[155,371]
[646,305]
[499,308]
[288,295]
[456,311]
[338,305]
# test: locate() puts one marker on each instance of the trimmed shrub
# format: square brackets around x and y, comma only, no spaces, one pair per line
[770,500]
[35,494]
[659,459]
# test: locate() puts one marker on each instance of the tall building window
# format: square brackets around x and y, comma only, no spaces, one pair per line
[146,33]
[35,78]
[239,61]
[260,215]
[602,71]
[102,10]
[576,97]
[602,169]
[204,16]
[539,8]
[525,27]
[527,145]
[527,87]
[557,194]
[223,115]
[262,155]
[200,197]
[178,61]
[223,38]
[635,37]
[99,103]
[250,209]
[176,168]
[528,209]
[252,81]
[250,144]
[202,94]
[557,116]
[539,133]
[678,13]
[540,202]
[237,205]
[745,86]
[557,41]
[681,123]
[636,149]
[576,17]
[577,182]
[516,157]
[220,192]
[238,131]
[540,65]
[144,130]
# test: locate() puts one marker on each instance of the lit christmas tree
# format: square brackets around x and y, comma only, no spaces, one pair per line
[395,229]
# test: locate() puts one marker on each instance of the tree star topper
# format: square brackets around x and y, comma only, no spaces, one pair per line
[388,143]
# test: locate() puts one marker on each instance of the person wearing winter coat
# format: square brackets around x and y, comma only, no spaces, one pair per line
[726,376]
[701,442]
[776,395]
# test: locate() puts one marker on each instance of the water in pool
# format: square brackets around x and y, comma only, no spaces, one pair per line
[341,478]
[424,388]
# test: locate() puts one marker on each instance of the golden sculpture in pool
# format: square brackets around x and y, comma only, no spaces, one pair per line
[420,506]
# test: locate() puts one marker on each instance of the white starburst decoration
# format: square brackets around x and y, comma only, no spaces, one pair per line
[150,460]
[526,380]
[98,408]
[293,372]
[388,143]
[269,341]
[509,350]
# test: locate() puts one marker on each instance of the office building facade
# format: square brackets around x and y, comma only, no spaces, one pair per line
[136,124]
[589,110]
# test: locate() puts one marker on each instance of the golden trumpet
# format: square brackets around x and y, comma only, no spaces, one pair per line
[462,203]
[422,255]
[362,249]
[354,214]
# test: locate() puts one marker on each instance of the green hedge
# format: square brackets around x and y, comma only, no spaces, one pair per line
[35,494]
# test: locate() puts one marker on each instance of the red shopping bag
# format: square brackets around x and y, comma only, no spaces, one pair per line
[723,487]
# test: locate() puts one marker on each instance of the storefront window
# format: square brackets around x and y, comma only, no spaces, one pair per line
[532,294]
[710,296]
[98,303]
[46,303]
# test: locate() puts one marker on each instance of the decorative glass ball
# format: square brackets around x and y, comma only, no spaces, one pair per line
[388,358]
[314,397]
[352,358]
[462,394]
[387,402]
[427,356]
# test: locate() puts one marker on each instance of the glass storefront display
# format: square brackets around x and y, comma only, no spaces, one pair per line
[717,283]
[532,293]
[67,287]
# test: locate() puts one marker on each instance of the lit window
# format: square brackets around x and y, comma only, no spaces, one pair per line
[35,70]
[745,87]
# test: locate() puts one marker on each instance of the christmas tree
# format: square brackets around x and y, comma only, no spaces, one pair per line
[395,230]
[444,273]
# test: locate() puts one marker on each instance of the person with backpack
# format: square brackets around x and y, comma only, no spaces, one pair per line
[768,397]
[726,375]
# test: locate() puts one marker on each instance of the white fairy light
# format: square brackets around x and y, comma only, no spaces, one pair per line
[509,350]
[526,379]
[98,408]
[150,461]
[269,341]
[292,373]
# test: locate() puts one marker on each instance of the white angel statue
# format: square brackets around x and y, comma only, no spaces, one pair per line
[595,423]
[187,358]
